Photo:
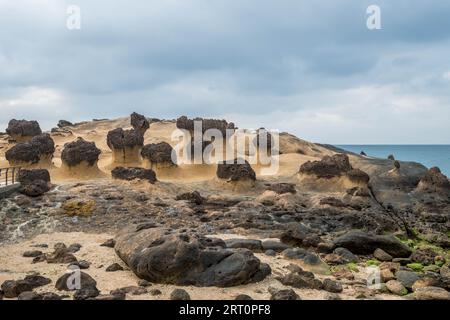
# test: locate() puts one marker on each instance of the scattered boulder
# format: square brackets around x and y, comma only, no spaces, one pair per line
[431,293]
[86,293]
[23,129]
[236,171]
[67,282]
[175,257]
[193,197]
[407,278]
[35,188]
[295,234]
[155,292]
[110,243]
[346,255]
[276,246]
[306,257]
[29,176]
[114,267]
[60,255]
[360,242]
[332,286]
[243,297]
[32,254]
[134,173]
[133,290]
[159,155]
[29,295]
[382,255]
[80,151]
[139,123]
[12,288]
[284,294]
[82,264]
[424,256]
[396,287]
[180,294]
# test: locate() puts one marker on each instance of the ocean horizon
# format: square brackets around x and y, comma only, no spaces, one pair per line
[427,154]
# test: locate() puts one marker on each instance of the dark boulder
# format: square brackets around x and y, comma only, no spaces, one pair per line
[28,176]
[61,254]
[284,294]
[139,123]
[119,139]
[64,123]
[35,188]
[68,281]
[162,255]
[44,144]
[328,167]
[193,197]
[23,128]
[22,152]
[12,288]
[180,294]
[364,243]
[133,173]
[79,151]
[295,234]
[159,153]
[236,171]
[110,243]
[332,286]
[114,267]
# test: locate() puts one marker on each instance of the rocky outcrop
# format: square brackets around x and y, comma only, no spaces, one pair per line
[125,145]
[64,123]
[188,124]
[21,130]
[434,181]
[162,255]
[39,149]
[159,155]
[80,151]
[134,173]
[282,188]
[365,243]
[334,168]
[237,171]
[139,123]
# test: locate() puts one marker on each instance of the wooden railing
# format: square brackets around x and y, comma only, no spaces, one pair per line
[9,175]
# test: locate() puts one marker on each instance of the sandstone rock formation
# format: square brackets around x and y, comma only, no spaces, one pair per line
[139,123]
[22,130]
[134,173]
[162,255]
[158,155]
[38,151]
[188,124]
[235,171]
[434,182]
[80,158]
[336,169]
[125,145]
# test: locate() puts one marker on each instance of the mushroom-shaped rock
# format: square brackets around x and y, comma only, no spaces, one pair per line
[188,124]
[159,155]
[123,173]
[139,122]
[235,171]
[434,181]
[162,255]
[334,167]
[80,151]
[22,130]
[125,144]
[39,149]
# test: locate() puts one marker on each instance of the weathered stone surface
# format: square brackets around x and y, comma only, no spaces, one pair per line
[364,243]
[193,197]
[133,173]
[23,128]
[251,244]
[180,294]
[235,171]
[282,188]
[12,288]
[188,124]
[396,287]
[32,254]
[424,256]
[407,278]
[185,259]
[64,123]
[35,188]
[434,182]
[274,245]
[80,151]
[44,144]
[22,152]
[332,286]
[431,293]
[110,243]
[306,257]
[64,282]
[243,297]
[284,294]
[114,267]
[346,255]
[295,234]
[139,123]
[60,255]
[119,139]
[28,176]
[382,255]
[159,153]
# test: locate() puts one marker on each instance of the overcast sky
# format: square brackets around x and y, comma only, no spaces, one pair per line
[311,68]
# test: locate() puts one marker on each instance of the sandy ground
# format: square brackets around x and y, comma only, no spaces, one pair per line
[13,266]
